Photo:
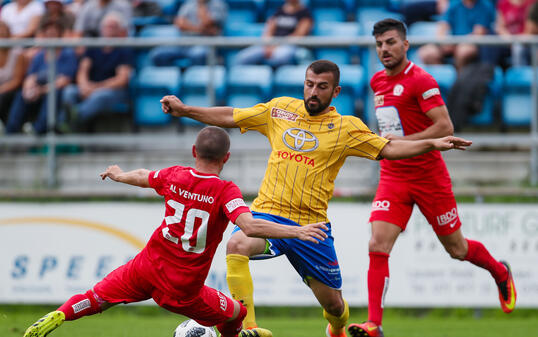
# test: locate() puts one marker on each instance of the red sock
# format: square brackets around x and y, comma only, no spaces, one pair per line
[478,255]
[378,283]
[81,305]
[232,328]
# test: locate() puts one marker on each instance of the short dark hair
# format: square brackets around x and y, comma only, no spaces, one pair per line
[326,66]
[385,25]
[212,143]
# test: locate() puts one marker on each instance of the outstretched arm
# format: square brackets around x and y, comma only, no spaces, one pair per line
[138,177]
[260,228]
[401,149]
[220,116]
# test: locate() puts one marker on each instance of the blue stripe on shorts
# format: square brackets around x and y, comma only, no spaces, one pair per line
[309,259]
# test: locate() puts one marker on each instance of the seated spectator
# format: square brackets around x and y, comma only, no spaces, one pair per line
[292,19]
[55,11]
[12,69]
[465,17]
[531,23]
[194,18]
[22,17]
[92,12]
[102,77]
[34,94]
[511,18]
[422,10]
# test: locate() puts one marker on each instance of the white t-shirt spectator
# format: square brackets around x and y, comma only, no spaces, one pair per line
[18,21]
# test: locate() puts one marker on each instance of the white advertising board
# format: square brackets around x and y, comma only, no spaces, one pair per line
[49,251]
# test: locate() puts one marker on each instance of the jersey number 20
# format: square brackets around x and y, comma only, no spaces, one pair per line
[192,214]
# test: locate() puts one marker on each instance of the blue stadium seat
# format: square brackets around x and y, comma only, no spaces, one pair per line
[339,29]
[194,84]
[248,85]
[330,14]
[163,31]
[353,83]
[517,97]
[423,28]
[150,85]
[242,15]
[368,16]
[289,81]
[239,29]
[487,115]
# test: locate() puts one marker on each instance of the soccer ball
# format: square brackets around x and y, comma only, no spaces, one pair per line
[190,328]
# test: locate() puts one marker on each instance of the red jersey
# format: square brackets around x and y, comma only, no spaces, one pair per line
[401,102]
[198,209]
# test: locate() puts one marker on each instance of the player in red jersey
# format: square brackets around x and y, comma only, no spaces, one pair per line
[173,266]
[409,106]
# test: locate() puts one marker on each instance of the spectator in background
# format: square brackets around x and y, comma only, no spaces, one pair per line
[292,19]
[75,6]
[422,10]
[22,17]
[55,11]
[33,96]
[102,77]
[92,12]
[511,18]
[194,18]
[12,69]
[465,17]
[531,23]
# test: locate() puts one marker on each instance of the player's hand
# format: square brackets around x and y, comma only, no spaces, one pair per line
[451,142]
[313,232]
[113,172]
[172,105]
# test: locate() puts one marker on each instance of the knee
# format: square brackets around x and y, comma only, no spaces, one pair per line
[430,54]
[238,245]
[457,251]
[379,245]
[465,53]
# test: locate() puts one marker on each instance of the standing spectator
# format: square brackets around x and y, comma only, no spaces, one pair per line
[22,17]
[292,19]
[34,94]
[12,68]
[195,18]
[465,17]
[93,11]
[103,76]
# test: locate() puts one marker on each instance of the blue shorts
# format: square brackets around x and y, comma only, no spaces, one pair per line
[309,259]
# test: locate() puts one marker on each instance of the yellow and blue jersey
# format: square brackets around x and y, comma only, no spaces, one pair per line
[307,153]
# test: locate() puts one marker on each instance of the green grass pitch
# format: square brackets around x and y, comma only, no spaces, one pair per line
[150,321]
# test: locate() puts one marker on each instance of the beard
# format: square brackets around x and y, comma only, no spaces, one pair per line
[315,111]
[394,63]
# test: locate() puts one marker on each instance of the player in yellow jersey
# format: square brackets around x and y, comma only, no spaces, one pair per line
[310,141]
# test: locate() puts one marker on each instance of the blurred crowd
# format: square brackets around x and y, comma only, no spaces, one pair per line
[91,82]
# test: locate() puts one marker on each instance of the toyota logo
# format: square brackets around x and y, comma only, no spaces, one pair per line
[300,140]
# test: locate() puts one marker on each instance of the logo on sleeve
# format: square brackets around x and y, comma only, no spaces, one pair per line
[430,93]
[283,114]
[234,204]
[156,174]
[379,100]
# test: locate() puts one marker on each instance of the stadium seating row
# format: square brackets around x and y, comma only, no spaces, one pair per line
[243,86]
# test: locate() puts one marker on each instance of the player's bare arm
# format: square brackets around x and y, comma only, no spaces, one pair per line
[442,126]
[139,177]
[219,116]
[260,228]
[401,149]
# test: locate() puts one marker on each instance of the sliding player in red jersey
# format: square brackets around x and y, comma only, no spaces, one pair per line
[409,106]
[173,266]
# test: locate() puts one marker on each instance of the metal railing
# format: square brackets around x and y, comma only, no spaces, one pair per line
[214,43]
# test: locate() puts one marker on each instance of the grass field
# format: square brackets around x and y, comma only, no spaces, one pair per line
[138,321]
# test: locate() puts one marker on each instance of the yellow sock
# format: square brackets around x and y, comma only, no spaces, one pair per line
[337,323]
[240,285]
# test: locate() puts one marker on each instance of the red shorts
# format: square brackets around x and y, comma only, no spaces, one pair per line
[395,199]
[130,283]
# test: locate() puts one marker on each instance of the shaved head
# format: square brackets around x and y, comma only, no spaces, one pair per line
[212,143]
